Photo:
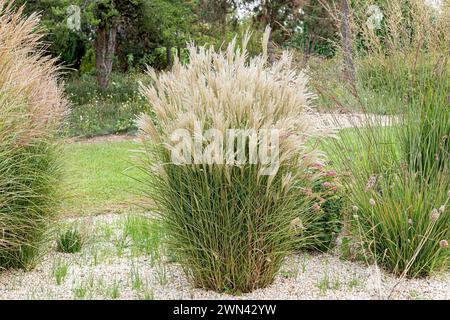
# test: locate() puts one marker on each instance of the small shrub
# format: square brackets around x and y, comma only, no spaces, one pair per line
[70,241]
[326,205]
[31,107]
[230,226]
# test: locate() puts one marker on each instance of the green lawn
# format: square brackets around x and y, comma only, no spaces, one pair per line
[98,177]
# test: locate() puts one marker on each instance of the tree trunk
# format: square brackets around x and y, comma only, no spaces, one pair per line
[105,46]
[223,19]
[349,68]
[169,57]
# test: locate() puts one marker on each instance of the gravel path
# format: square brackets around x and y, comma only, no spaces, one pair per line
[347,120]
[98,272]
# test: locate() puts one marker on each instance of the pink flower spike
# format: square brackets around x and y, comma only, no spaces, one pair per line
[318,165]
[331,173]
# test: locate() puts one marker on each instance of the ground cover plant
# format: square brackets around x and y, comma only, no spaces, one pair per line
[230,226]
[31,109]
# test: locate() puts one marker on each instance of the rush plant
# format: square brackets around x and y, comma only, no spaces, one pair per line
[230,225]
[397,168]
[31,108]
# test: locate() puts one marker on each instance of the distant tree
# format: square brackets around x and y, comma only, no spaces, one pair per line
[67,45]
[106,16]
[173,21]
[217,12]
[316,31]
[280,15]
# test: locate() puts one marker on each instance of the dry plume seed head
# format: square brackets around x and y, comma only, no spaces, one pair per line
[434,216]
[371,182]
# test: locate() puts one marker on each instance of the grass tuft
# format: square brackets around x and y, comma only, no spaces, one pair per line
[31,107]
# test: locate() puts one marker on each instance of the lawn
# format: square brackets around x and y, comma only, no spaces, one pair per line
[97,178]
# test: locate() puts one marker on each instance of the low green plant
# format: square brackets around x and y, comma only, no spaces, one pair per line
[70,241]
[398,215]
[147,295]
[145,235]
[60,269]
[84,289]
[135,278]
[114,290]
[230,226]
[328,283]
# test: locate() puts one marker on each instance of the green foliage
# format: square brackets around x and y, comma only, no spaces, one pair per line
[145,235]
[316,32]
[397,168]
[327,205]
[67,45]
[60,269]
[70,241]
[148,26]
[99,112]
[392,214]
[87,64]
[427,138]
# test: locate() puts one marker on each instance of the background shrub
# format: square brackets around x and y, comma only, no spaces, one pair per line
[31,108]
[229,226]
[100,112]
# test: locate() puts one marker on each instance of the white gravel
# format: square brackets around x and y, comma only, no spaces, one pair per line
[99,273]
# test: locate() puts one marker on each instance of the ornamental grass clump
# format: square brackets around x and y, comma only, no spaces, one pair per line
[231,214]
[31,108]
[398,167]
